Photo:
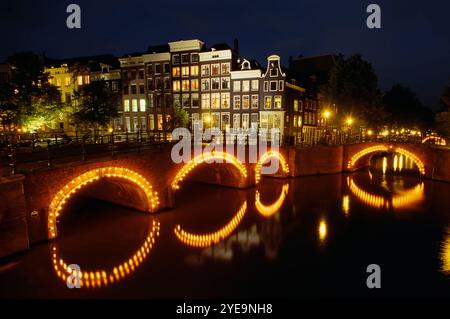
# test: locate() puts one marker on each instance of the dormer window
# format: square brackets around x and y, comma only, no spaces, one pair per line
[273,72]
[245,65]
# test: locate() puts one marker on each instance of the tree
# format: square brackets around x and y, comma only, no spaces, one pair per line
[353,87]
[405,108]
[8,106]
[180,117]
[445,99]
[442,120]
[96,105]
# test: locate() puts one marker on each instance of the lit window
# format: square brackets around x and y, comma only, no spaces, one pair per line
[225,100]
[185,85]
[185,71]
[295,105]
[67,80]
[255,85]
[80,80]
[245,102]
[245,120]
[159,122]
[236,102]
[295,121]
[215,100]
[205,70]
[255,102]
[206,101]
[245,86]
[215,69]
[142,105]
[225,68]
[151,122]
[176,86]
[126,105]
[225,83]
[194,70]
[277,102]
[176,71]
[205,85]
[194,85]
[237,86]
[86,79]
[134,105]
[267,102]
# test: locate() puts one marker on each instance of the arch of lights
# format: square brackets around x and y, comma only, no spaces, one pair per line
[58,201]
[263,159]
[209,239]
[104,277]
[383,148]
[437,139]
[403,200]
[270,210]
[206,157]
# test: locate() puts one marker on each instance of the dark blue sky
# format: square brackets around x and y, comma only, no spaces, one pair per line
[412,48]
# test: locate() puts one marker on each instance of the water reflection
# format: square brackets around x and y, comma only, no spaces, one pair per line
[322,230]
[103,277]
[270,210]
[445,253]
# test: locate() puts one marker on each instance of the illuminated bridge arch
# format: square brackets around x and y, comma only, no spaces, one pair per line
[81,181]
[264,158]
[207,158]
[437,140]
[384,148]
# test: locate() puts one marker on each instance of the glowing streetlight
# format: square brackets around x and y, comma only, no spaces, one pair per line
[370,132]
[326,114]
[349,121]
[110,130]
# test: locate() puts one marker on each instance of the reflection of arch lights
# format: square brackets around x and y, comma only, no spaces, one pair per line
[102,278]
[206,157]
[77,183]
[397,201]
[382,148]
[206,240]
[270,210]
[445,254]
[437,139]
[263,159]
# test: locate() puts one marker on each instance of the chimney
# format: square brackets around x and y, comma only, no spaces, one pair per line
[236,46]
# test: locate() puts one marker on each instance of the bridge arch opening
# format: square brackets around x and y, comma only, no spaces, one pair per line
[81,181]
[372,150]
[269,156]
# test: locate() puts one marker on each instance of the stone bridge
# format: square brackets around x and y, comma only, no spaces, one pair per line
[30,204]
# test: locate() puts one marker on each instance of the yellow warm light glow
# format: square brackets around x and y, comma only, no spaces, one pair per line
[210,239]
[413,157]
[370,132]
[445,254]
[207,157]
[326,114]
[346,204]
[349,121]
[77,183]
[403,200]
[322,230]
[270,210]
[438,140]
[104,277]
[263,159]
[385,164]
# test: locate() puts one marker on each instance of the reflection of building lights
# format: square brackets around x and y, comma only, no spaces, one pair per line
[445,254]
[400,163]
[384,165]
[207,157]
[79,182]
[413,157]
[101,278]
[263,159]
[270,210]
[206,240]
[322,230]
[403,200]
[346,204]
[437,140]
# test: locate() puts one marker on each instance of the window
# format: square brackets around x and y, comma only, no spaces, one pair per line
[141,89]
[225,100]
[127,123]
[277,102]
[194,85]
[68,97]
[166,68]
[281,85]
[176,72]
[141,74]
[158,101]
[300,109]
[254,120]
[125,75]
[86,79]
[225,83]
[166,83]
[274,72]
[150,100]
[185,71]
[225,68]
[185,58]
[236,120]
[176,100]
[245,120]
[150,85]
[295,121]
[205,85]
[245,102]
[195,119]
[185,100]
[236,102]
[267,102]
[142,105]
[143,123]
[205,70]
[215,100]
[255,102]
[266,86]
[167,100]
[215,83]
[195,100]
[126,105]
[194,57]
[215,120]
[206,101]
[151,122]
[236,86]
[149,69]
[255,85]
[206,119]
[176,86]
[159,122]
[67,81]
[176,59]
[158,83]
[215,69]
[194,70]
[185,85]
[125,90]
[133,89]
[157,68]
[299,123]
[80,80]
[134,105]
[225,119]
[273,85]
[295,106]
[245,86]
[133,75]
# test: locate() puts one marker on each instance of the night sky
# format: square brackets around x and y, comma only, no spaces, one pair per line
[412,47]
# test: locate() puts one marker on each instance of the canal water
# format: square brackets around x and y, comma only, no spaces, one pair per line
[304,237]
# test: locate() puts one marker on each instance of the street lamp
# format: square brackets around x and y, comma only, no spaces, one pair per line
[349,121]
